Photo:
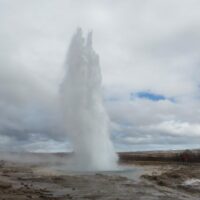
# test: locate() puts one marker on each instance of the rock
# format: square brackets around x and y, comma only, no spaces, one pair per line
[4,185]
[2,163]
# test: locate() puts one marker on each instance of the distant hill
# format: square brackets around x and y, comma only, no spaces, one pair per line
[187,155]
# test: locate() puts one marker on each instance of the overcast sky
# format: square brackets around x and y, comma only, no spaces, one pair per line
[150,60]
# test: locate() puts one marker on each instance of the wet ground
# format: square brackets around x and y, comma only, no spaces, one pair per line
[141,181]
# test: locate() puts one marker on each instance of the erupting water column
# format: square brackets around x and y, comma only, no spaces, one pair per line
[86,120]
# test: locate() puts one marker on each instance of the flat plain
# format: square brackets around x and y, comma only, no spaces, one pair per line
[37,177]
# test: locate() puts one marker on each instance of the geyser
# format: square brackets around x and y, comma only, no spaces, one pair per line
[86,120]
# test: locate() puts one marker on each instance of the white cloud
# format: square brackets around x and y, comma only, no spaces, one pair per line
[176,128]
[143,45]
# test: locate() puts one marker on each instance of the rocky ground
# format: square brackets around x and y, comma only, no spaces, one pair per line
[20,181]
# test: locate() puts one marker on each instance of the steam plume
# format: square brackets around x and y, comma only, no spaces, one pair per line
[86,120]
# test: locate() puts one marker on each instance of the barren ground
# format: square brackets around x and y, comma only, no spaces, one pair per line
[165,181]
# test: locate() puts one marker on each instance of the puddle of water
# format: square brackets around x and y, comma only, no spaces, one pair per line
[129,172]
[192,182]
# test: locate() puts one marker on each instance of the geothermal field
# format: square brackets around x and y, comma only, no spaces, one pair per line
[44,176]
[99,100]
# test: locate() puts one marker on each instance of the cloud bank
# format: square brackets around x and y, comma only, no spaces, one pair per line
[145,47]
